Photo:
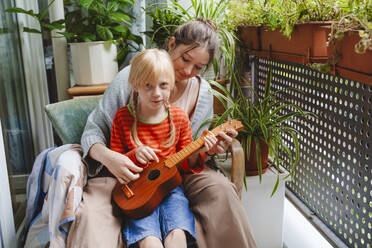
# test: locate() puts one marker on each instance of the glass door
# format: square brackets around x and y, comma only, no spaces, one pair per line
[14,112]
[7,230]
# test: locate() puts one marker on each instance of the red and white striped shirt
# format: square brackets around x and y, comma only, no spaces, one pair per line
[150,134]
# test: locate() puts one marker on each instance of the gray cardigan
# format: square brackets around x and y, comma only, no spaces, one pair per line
[98,127]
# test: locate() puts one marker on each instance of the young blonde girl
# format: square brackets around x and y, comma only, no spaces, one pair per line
[149,128]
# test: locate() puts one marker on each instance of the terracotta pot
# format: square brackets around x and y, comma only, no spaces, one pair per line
[351,65]
[218,108]
[306,45]
[251,168]
[250,36]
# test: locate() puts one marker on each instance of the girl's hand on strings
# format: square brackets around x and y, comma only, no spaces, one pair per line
[145,154]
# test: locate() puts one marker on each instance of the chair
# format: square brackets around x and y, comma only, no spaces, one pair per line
[69,118]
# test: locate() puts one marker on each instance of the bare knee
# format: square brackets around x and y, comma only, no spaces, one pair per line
[175,238]
[150,242]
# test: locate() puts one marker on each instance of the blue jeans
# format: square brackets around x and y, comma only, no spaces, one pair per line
[172,213]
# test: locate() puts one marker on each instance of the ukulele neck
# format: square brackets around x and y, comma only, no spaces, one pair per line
[184,153]
[192,147]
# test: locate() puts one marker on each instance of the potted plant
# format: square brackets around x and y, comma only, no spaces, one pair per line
[350,43]
[306,32]
[285,30]
[265,126]
[93,29]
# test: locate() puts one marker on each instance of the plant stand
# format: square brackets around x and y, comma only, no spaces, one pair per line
[265,213]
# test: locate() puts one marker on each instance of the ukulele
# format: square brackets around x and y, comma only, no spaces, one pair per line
[139,198]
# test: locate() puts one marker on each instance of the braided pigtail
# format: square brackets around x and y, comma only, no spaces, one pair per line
[134,132]
[172,134]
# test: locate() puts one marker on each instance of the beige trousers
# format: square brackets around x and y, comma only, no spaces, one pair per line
[95,224]
[220,218]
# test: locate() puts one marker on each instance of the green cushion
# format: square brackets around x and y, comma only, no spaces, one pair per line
[69,117]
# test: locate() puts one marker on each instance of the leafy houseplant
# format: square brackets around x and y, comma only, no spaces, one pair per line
[90,20]
[164,23]
[263,123]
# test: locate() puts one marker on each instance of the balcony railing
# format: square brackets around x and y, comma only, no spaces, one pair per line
[334,177]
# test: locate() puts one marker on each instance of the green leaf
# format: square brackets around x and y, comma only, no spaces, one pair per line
[223,117]
[223,89]
[128,2]
[68,35]
[221,97]
[206,124]
[247,146]
[275,186]
[19,10]
[31,30]
[122,53]
[120,29]
[52,26]
[60,21]
[88,37]
[104,33]
[113,6]
[45,11]
[258,154]
[121,17]
[86,3]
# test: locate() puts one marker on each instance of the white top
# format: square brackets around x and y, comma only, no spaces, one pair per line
[189,95]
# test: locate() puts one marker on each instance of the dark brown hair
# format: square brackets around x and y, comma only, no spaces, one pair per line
[198,33]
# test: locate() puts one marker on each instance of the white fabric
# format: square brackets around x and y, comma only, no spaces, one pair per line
[56,186]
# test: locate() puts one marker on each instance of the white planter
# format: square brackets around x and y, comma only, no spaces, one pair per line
[265,213]
[93,62]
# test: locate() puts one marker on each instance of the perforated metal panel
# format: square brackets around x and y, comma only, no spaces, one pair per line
[334,177]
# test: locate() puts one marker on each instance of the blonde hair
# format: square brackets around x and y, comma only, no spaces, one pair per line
[148,66]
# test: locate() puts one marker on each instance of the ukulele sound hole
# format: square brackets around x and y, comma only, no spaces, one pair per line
[153,174]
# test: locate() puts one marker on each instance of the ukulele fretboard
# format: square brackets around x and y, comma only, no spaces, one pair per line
[184,153]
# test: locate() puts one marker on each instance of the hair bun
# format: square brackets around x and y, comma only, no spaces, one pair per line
[208,22]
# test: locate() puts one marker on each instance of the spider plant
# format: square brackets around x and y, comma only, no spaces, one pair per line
[268,119]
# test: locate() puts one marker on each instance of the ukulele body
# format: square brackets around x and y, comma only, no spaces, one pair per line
[156,181]
[139,198]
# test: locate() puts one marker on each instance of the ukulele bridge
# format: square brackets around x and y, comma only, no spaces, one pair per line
[127,191]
